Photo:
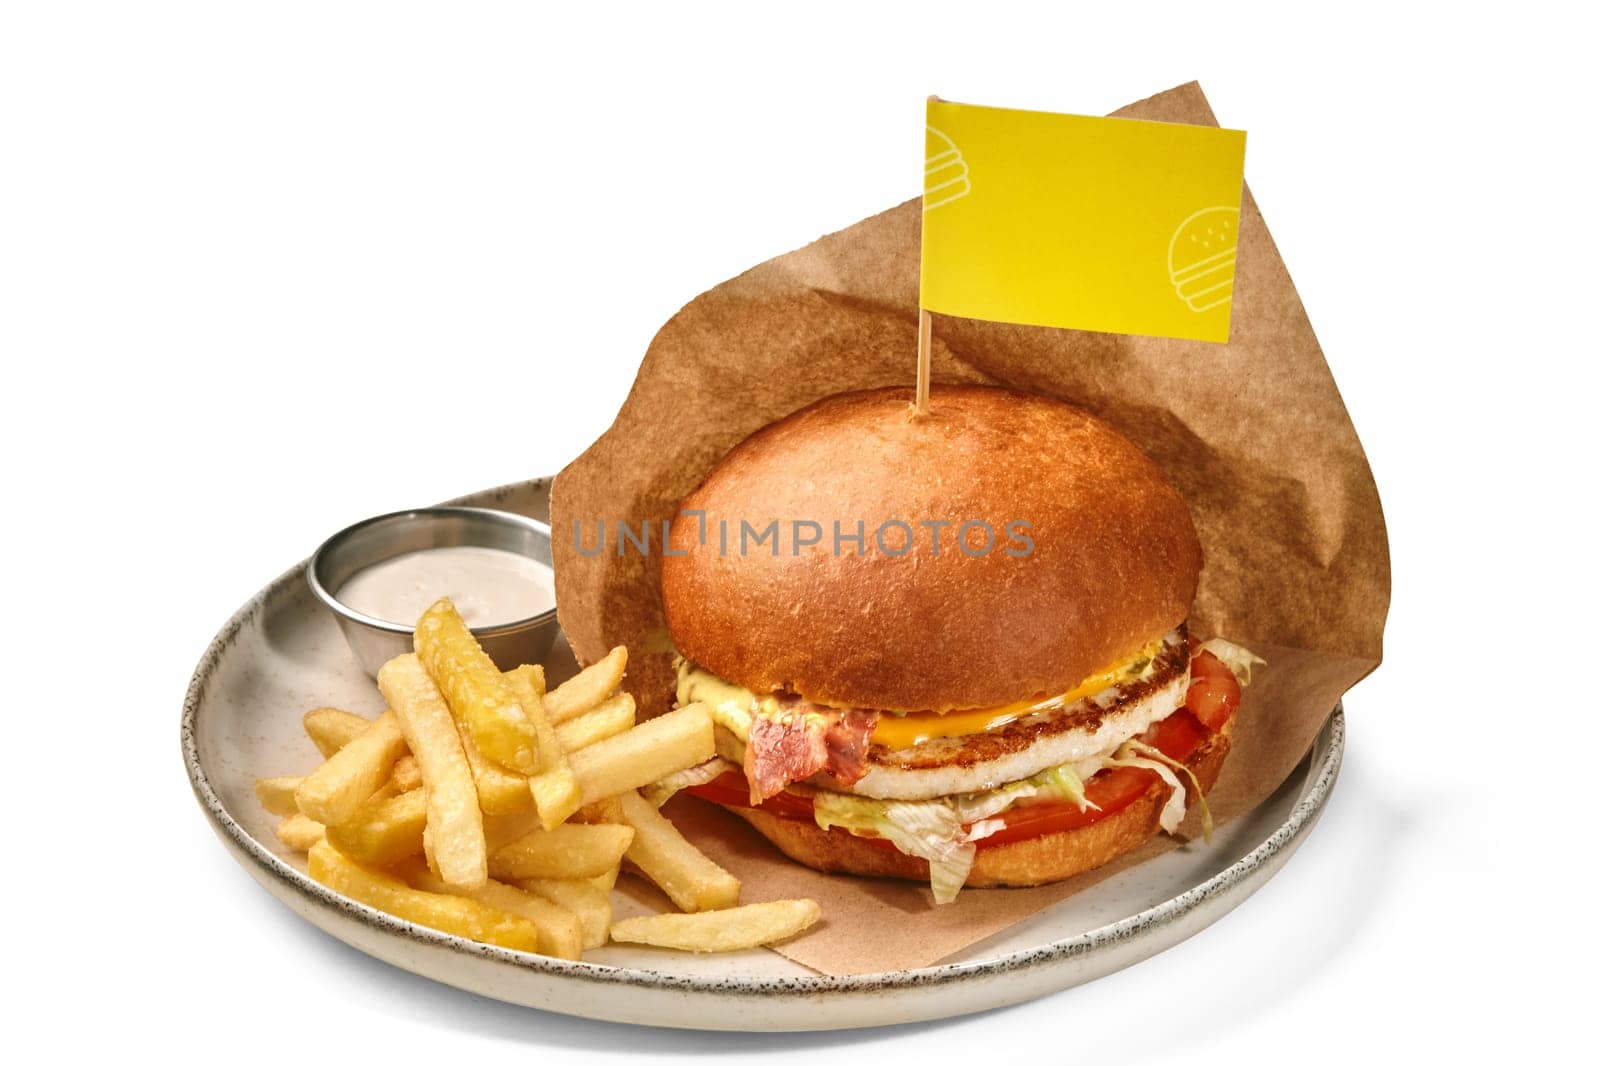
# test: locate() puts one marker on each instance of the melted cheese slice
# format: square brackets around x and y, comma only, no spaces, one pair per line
[908,730]
[733,705]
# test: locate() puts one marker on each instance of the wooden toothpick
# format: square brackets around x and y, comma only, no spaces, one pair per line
[924,348]
[924,359]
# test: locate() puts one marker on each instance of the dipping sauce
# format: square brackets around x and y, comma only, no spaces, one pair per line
[489,586]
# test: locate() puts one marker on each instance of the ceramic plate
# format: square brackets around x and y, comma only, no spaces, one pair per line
[282,654]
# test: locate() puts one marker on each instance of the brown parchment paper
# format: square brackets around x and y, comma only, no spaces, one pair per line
[1253,433]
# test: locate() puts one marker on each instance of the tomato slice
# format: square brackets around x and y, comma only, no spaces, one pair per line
[1109,790]
[1213,697]
[1213,691]
[731,790]
[1176,736]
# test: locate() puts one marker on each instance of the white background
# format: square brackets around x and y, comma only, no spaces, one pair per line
[268,269]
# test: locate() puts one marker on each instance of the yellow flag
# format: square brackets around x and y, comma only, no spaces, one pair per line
[1107,224]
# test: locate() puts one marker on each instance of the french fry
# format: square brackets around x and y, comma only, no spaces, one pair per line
[454,835]
[334,791]
[592,906]
[500,830]
[384,831]
[734,929]
[554,788]
[730,747]
[607,881]
[487,807]
[299,833]
[591,685]
[612,716]
[407,775]
[567,852]
[677,867]
[331,729]
[276,794]
[606,811]
[500,791]
[674,741]
[447,913]
[478,696]
[538,674]
[561,932]
[387,790]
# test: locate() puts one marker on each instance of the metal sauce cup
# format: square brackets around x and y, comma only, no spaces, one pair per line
[375,641]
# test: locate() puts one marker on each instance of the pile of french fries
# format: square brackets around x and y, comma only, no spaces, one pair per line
[481,805]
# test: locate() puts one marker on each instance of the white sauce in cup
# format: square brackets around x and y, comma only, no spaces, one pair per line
[489,586]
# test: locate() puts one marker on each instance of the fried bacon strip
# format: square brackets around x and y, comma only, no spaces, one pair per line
[804,739]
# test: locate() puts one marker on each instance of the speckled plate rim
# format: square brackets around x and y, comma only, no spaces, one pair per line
[1327,754]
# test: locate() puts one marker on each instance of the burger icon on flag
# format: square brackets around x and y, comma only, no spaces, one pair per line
[1201,255]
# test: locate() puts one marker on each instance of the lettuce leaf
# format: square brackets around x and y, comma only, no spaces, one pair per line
[1056,783]
[663,789]
[986,828]
[1150,758]
[1235,657]
[1064,782]
[944,830]
[1173,811]
[929,830]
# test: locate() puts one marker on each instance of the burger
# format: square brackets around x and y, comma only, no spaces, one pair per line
[950,646]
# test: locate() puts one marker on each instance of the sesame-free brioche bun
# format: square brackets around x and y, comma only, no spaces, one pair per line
[1036,860]
[1091,553]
